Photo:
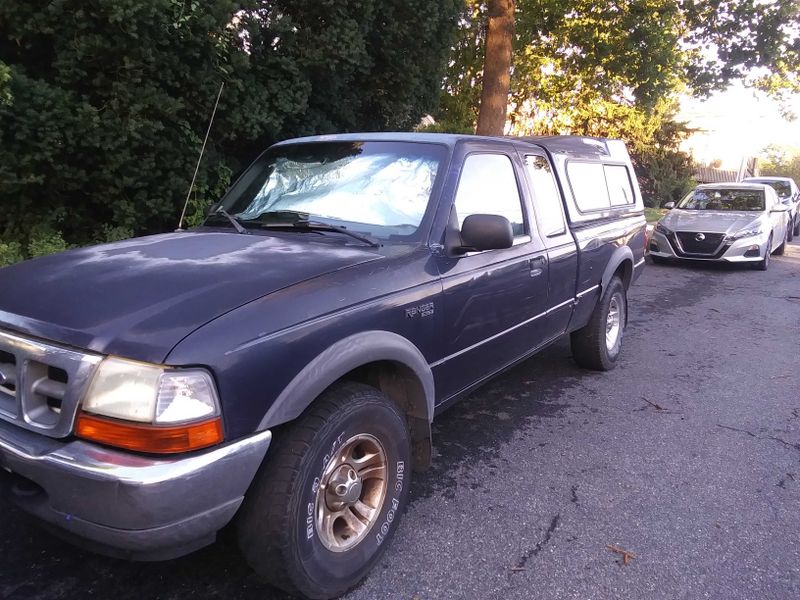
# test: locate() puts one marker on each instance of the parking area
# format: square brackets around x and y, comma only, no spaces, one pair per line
[687,456]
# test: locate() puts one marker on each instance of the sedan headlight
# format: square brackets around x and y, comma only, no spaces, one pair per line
[164,410]
[663,230]
[744,233]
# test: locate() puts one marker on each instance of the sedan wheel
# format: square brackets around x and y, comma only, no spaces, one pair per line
[763,264]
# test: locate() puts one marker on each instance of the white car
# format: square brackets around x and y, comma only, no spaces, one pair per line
[729,222]
[788,193]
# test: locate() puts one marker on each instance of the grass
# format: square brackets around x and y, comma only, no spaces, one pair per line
[653,214]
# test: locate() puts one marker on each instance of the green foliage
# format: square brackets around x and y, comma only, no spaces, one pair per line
[10,252]
[664,171]
[103,105]
[780,162]
[45,241]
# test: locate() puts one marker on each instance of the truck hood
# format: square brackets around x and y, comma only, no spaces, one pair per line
[709,221]
[138,298]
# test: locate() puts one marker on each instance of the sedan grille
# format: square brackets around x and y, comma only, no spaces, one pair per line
[707,245]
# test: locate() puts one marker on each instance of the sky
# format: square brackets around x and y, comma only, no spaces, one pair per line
[737,122]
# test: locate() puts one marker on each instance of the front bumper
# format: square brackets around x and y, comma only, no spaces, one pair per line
[734,252]
[127,505]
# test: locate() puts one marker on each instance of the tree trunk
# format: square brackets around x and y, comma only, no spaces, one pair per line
[496,67]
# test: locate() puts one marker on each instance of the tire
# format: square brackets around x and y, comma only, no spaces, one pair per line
[280,526]
[763,264]
[797,225]
[790,231]
[780,250]
[591,346]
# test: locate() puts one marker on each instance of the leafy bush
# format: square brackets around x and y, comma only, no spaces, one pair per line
[103,105]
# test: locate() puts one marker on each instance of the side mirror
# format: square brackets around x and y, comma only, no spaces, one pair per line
[669,205]
[486,232]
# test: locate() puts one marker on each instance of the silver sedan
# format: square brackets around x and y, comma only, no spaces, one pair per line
[730,222]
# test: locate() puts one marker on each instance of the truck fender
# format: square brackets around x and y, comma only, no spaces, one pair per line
[341,358]
[620,255]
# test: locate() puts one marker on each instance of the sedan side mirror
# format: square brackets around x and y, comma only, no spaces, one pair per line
[486,232]
[669,205]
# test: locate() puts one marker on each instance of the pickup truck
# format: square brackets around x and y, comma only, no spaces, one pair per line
[277,369]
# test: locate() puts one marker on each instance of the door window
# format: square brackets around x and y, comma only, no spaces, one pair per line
[548,207]
[488,186]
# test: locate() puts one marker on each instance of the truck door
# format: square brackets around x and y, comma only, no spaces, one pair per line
[493,300]
[562,252]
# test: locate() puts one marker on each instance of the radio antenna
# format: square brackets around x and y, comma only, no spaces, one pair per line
[200,158]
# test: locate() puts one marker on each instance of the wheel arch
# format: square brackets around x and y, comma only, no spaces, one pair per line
[621,262]
[381,359]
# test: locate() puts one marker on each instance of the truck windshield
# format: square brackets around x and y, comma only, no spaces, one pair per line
[379,188]
[724,199]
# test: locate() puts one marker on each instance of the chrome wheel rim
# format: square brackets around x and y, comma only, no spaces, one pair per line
[614,322]
[351,492]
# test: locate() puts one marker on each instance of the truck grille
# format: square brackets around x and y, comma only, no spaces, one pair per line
[689,244]
[41,384]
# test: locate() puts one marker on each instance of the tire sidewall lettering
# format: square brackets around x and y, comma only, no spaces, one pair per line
[396,495]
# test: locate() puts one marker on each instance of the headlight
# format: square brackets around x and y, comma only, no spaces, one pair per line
[662,230]
[166,410]
[745,233]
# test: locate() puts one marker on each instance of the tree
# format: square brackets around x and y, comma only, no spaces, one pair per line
[103,105]
[578,53]
[614,69]
[780,162]
[496,67]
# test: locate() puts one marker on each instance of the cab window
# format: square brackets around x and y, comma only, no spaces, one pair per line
[548,209]
[488,185]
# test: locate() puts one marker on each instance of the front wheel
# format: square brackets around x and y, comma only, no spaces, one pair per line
[328,498]
[780,250]
[763,264]
[597,345]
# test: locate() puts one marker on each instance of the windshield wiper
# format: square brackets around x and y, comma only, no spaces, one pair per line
[233,220]
[305,225]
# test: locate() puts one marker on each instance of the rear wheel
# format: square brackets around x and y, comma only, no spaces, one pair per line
[597,345]
[327,499]
[797,225]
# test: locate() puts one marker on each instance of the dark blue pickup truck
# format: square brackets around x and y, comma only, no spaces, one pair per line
[278,368]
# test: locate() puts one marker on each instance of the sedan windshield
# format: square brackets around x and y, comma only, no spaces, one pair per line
[782,188]
[378,188]
[724,199]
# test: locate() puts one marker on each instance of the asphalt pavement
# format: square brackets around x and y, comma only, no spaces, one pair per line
[686,456]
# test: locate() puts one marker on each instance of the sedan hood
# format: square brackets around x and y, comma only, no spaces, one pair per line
[708,221]
[140,297]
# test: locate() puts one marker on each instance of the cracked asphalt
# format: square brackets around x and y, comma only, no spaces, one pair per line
[687,456]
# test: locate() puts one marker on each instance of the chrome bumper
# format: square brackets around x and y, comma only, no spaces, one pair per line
[123,504]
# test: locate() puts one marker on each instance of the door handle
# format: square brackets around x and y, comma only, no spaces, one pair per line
[537,265]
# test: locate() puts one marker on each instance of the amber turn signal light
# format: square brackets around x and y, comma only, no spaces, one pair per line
[149,438]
